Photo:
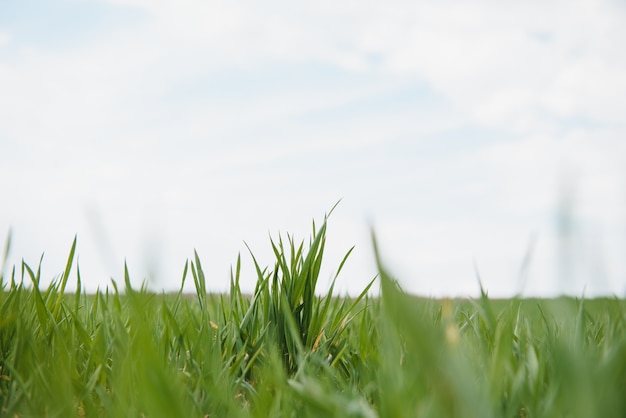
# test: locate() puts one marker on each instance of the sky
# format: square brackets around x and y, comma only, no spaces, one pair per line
[475,139]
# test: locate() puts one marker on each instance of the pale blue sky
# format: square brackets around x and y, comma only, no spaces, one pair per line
[153,127]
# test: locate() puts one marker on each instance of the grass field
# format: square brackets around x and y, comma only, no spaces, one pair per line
[285,352]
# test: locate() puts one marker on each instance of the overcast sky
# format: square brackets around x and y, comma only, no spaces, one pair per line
[468,134]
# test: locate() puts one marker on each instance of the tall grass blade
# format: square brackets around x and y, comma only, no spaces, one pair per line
[5,257]
[64,279]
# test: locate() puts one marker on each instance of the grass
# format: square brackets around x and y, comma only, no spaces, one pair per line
[285,352]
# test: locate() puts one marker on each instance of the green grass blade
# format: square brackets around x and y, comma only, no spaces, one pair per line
[64,279]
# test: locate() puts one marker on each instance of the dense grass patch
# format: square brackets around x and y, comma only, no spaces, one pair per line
[285,352]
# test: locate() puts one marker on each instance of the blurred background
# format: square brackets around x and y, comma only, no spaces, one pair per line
[481,137]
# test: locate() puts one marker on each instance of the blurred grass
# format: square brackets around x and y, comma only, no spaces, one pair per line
[286,352]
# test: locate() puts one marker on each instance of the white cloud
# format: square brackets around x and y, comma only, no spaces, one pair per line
[5,38]
[592,88]
[504,64]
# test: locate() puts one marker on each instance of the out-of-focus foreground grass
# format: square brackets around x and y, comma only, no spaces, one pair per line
[285,352]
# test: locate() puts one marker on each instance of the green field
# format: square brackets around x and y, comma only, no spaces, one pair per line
[285,352]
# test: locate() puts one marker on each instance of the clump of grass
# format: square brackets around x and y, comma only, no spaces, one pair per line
[284,351]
